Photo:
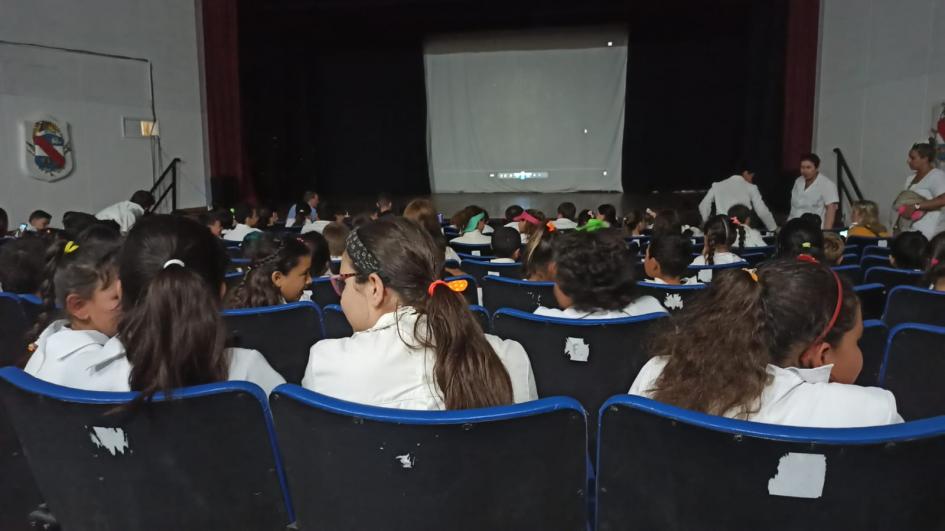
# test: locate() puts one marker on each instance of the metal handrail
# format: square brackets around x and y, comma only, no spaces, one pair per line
[171,171]
[843,169]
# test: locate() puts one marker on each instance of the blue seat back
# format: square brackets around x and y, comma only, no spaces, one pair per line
[284,334]
[482,317]
[860,243]
[852,273]
[892,277]
[471,293]
[704,273]
[914,369]
[472,249]
[850,259]
[19,494]
[909,304]
[872,300]
[873,347]
[480,269]
[351,466]
[500,292]
[205,459]
[877,250]
[465,256]
[322,292]
[673,298]
[872,260]
[662,467]
[589,360]
[14,326]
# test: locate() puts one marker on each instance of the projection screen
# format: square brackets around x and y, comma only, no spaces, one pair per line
[526,111]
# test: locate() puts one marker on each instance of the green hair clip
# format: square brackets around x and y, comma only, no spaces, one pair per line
[593,225]
[474,222]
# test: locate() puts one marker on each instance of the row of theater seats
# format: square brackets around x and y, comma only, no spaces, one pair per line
[224,457]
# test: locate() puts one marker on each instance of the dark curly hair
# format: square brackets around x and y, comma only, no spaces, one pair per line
[720,344]
[595,269]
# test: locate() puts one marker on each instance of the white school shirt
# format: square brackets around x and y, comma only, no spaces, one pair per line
[473,237]
[814,200]
[237,233]
[291,214]
[124,213]
[61,353]
[691,281]
[451,254]
[641,306]
[512,225]
[488,229]
[564,224]
[379,367]
[930,187]
[801,397]
[502,261]
[736,191]
[752,238]
[718,259]
[107,368]
[315,226]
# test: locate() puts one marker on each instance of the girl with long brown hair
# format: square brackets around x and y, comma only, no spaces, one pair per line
[775,345]
[416,344]
[720,236]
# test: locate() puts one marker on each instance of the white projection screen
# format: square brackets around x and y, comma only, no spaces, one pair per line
[535,111]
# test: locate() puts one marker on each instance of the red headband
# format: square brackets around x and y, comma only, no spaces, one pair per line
[836,310]
[525,216]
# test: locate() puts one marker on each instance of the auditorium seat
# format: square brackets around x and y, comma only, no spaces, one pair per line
[14,326]
[480,269]
[337,326]
[872,260]
[873,347]
[700,271]
[203,459]
[914,369]
[471,293]
[892,277]
[233,279]
[472,249]
[852,273]
[19,494]
[501,292]
[910,304]
[467,256]
[767,250]
[673,298]
[334,267]
[860,243]
[753,259]
[283,334]
[662,467]
[850,259]
[587,359]
[872,300]
[323,293]
[351,466]
[877,250]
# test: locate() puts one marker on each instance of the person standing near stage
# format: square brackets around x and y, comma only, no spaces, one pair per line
[739,189]
[311,198]
[814,193]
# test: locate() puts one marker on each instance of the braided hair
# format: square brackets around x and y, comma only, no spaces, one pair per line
[718,233]
[257,289]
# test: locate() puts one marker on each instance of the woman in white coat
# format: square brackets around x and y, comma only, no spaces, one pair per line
[814,193]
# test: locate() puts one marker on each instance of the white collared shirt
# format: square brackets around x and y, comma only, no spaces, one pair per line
[801,397]
[564,224]
[379,367]
[722,258]
[691,281]
[315,226]
[237,233]
[451,254]
[512,225]
[72,360]
[752,238]
[736,191]
[813,199]
[473,237]
[641,306]
[502,261]
[930,187]
[125,213]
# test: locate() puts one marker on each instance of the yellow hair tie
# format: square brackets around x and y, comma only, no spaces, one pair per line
[753,273]
[806,245]
[70,247]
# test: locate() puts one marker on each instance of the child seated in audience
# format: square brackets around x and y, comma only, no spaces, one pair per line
[506,246]
[812,219]
[530,222]
[720,235]
[634,223]
[691,222]
[421,211]
[321,256]
[335,233]
[268,217]
[511,213]
[416,346]
[935,268]
[38,221]
[217,221]
[246,218]
[667,258]
[865,216]
[566,214]
[472,222]
[82,280]
[776,345]
[21,265]
[303,213]
[539,255]
[748,236]
[584,217]
[608,214]
[833,248]
[594,278]
[666,222]
[276,278]
[908,251]
[170,333]
[798,237]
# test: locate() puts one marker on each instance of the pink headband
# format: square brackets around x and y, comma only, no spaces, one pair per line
[525,216]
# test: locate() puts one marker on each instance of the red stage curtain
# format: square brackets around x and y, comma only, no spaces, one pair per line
[800,79]
[229,170]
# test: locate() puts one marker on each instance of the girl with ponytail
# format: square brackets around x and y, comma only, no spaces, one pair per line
[82,281]
[742,218]
[775,345]
[416,345]
[720,235]
[935,268]
[171,333]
